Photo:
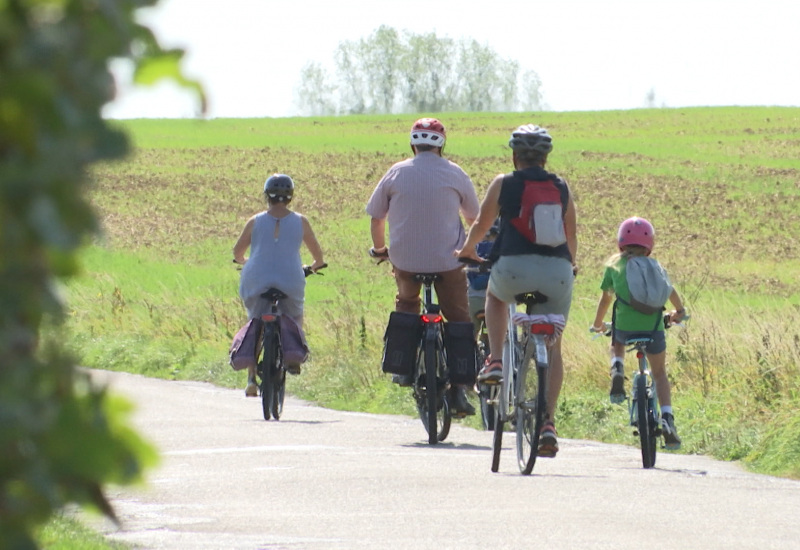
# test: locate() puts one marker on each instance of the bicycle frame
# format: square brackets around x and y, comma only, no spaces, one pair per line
[271,368]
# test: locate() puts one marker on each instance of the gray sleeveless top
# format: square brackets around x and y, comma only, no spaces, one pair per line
[274,262]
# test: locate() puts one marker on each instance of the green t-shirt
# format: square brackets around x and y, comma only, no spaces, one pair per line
[615,280]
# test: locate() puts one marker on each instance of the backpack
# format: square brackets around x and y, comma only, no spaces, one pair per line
[245,345]
[648,284]
[540,218]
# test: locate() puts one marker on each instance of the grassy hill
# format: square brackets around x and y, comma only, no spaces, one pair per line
[721,185]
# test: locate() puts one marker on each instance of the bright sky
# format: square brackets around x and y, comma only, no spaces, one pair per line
[589,54]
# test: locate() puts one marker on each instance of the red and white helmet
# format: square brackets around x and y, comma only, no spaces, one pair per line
[636,231]
[428,131]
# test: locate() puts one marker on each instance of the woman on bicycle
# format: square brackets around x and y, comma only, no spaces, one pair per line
[274,238]
[636,237]
[523,263]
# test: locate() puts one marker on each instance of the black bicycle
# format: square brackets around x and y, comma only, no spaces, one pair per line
[271,368]
[430,376]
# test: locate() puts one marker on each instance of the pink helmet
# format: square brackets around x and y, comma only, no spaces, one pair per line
[636,231]
[428,131]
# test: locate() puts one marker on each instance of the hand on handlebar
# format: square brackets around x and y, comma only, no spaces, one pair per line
[313,269]
[380,255]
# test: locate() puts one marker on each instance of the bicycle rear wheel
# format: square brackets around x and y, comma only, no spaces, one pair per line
[644,424]
[266,370]
[278,392]
[530,409]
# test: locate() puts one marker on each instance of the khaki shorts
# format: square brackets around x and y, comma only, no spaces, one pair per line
[512,275]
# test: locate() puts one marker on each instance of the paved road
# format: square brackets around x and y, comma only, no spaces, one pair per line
[322,479]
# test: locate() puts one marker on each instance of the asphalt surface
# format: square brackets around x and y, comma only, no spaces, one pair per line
[324,479]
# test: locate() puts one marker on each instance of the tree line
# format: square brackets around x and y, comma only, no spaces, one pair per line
[397,72]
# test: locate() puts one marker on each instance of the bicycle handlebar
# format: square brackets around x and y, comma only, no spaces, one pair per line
[483,266]
[380,256]
[307,270]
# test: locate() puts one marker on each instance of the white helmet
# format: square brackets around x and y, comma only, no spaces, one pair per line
[428,131]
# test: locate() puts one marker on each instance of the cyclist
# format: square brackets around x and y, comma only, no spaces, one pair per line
[423,198]
[636,237]
[478,281]
[523,266]
[274,237]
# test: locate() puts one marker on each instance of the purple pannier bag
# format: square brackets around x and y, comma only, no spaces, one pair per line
[243,352]
[293,342]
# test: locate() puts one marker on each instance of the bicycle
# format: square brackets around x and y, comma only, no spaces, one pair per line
[523,398]
[643,409]
[520,398]
[430,377]
[484,390]
[271,369]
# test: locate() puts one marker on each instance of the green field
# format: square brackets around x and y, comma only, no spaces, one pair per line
[159,296]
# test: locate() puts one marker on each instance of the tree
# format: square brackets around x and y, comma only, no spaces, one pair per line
[391,72]
[61,438]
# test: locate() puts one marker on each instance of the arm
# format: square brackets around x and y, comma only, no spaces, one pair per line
[377,228]
[571,229]
[310,240]
[679,313]
[489,210]
[243,243]
[602,308]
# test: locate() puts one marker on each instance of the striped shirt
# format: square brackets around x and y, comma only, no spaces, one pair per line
[422,199]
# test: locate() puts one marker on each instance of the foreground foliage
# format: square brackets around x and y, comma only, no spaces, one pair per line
[61,438]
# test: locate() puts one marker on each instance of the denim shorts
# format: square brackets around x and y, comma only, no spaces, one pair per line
[656,345]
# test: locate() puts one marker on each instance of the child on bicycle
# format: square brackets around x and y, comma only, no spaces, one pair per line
[274,238]
[636,238]
[479,281]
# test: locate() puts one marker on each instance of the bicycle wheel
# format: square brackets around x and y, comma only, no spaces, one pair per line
[643,424]
[497,440]
[431,391]
[278,392]
[266,369]
[487,395]
[530,409]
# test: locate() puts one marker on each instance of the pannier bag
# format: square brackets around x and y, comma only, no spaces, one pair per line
[293,342]
[462,352]
[400,343]
[245,346]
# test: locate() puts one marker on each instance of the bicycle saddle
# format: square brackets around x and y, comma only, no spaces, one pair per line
[531,298]
[273,295]
[427,278]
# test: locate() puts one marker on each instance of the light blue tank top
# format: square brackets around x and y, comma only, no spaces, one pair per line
[274,262]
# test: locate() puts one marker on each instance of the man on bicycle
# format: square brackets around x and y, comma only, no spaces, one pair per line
[423,199]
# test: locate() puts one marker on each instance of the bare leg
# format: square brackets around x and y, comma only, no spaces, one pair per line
[659,369]
[555,378]
[496,324]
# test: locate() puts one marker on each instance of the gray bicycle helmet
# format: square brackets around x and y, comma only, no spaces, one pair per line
[279,187]
[531,138]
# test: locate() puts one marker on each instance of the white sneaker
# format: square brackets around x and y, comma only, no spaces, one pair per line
[252,388]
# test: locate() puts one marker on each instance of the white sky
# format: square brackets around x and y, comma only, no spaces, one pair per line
[589,54]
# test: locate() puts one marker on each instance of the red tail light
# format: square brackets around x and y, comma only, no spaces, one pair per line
[268,317]
[432,318]
[543,329]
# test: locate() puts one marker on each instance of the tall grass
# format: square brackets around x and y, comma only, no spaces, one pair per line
[159,295]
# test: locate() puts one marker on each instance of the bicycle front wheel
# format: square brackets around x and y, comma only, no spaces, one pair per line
[644,425]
